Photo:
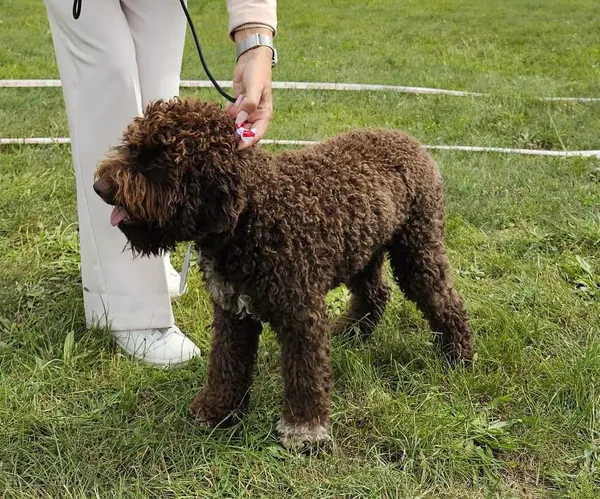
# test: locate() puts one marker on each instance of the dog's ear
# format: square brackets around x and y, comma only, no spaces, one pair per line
[212,155]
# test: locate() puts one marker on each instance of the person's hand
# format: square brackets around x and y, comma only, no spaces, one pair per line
[252,87]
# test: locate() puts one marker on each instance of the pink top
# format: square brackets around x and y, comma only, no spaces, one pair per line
[252,11]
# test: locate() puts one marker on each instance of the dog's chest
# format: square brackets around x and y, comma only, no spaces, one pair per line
[222,291]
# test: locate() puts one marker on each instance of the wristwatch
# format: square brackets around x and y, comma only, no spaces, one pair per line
[253,41]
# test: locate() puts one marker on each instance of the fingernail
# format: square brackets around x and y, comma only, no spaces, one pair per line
[239,100]
[241,117]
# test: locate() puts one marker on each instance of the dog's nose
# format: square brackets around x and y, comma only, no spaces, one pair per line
[102,188]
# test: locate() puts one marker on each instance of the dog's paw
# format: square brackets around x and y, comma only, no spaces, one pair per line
[460,353]
[303,437]
[353,327]
[200,415]
[341,326]
[208,410]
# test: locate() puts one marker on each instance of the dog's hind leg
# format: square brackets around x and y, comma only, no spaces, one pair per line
[230,368]
[421,269]
[305,355]
[370,295]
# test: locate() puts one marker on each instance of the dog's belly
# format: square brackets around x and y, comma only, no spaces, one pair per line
[222,291]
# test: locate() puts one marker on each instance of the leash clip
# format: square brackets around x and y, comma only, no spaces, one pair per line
[187,260]
[244,133]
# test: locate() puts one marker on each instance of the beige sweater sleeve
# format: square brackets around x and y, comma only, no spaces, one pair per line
[252,11]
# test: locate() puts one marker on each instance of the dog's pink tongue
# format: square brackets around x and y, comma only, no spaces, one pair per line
[118,215]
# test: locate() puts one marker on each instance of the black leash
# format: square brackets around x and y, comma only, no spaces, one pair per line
[76,9]
[208,73]
[77,13]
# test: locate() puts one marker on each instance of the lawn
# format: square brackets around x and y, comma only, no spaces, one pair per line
[79,419]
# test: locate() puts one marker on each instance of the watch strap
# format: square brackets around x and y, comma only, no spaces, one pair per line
[256,40]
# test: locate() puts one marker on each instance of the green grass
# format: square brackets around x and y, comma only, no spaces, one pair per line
[78,419]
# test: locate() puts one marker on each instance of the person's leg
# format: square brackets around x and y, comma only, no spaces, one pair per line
[158,30]
[98,69]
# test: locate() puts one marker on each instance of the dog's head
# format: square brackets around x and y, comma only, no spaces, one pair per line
[174,175]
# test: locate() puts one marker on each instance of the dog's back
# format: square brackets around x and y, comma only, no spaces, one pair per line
[345,196]
[363,163]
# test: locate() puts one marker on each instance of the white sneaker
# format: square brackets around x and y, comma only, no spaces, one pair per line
[173,281]
[165,347]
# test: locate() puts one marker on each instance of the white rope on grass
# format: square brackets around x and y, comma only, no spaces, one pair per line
[29,83]
[35,141]
[285,142]
[531,152]
[306,85]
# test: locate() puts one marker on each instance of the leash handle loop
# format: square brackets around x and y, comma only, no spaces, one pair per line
[76,9]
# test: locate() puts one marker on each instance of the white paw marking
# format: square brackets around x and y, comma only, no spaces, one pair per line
[301,436]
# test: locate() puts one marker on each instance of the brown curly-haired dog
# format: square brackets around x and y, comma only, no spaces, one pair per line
[275,233]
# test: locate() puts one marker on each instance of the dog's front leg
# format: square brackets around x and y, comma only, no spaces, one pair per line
[230,368]
[307,378]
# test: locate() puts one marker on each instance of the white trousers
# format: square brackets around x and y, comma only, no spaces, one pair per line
[113,60]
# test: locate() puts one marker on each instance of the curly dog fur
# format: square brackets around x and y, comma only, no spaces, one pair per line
[275,234]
